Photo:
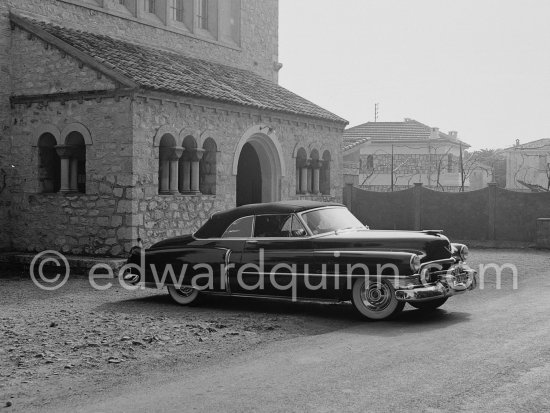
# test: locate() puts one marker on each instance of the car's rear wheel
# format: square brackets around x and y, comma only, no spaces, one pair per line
[375,300]
[183,295]
[429,305]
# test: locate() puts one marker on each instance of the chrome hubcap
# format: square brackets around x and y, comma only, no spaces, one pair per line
[185,291]
[376,296]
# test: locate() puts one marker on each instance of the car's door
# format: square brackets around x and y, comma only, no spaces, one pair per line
[273,260]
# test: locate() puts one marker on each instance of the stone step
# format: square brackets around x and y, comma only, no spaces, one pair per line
[79,265]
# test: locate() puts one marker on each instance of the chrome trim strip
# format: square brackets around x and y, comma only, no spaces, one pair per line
[377,276]
[271,297]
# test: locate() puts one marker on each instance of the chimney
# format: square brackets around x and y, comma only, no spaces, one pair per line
[453,134]
[408,119]
[434,133]
[517,142]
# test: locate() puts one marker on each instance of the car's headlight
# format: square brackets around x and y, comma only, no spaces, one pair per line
[415,263]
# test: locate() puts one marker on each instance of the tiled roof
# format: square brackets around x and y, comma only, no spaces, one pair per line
[543,144]
[409,130]
[171,72]
[351,143]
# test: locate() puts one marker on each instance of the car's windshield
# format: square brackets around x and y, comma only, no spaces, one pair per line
[320,221]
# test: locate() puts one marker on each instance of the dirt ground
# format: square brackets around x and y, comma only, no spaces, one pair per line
[62,344]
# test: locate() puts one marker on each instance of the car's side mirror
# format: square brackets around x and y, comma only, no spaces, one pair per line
[299,232]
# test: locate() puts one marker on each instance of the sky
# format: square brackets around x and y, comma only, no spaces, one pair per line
[479,67]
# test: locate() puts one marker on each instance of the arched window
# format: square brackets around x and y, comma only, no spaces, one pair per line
[77,162]
[301,171]
[49,164]
[207,168]
[189,168]
[324,184]
[168,165]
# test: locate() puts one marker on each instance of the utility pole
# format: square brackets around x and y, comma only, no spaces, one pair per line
[461,169]
[391,168]
[376,112]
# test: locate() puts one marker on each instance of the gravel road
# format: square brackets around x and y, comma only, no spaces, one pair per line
[79,347]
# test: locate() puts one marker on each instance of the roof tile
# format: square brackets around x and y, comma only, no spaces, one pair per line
[172,72]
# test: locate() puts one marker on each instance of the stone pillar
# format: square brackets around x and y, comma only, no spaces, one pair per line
[195,170]
[64,152]
[185,176]
[303,180]
[168,159]
[73,179]
[173,174]
[316,169]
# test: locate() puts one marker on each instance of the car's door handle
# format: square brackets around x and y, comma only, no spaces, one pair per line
[252,241]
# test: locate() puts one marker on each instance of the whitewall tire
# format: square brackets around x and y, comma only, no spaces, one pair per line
[184,295]
[375,300]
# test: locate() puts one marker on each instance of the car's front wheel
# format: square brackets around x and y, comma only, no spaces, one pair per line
[375,299]
[183,295]
[429,305]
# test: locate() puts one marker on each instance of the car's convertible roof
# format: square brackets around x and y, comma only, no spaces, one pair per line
[219,222]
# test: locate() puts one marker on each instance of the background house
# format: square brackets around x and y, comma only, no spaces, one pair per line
[528,166]
[406,153]
[141,118]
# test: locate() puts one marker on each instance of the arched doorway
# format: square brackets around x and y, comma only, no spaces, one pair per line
[258,180]
[249,177]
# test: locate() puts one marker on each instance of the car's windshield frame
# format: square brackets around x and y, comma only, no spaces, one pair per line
[312,234]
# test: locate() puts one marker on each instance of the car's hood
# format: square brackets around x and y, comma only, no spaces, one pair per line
[431,244]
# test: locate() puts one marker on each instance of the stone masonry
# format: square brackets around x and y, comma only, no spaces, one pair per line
[56,93]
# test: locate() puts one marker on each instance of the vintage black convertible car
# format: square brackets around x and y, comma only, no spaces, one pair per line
[305,250]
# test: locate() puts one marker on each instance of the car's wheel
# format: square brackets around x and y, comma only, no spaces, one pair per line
[429,305]
[184,295]
[375,300]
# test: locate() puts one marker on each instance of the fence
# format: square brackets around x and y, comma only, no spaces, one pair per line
[491,214]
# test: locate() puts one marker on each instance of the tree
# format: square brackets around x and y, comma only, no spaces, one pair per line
[492,161]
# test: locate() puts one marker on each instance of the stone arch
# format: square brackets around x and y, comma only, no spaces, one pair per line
[271,156]
[164,130]
[49,164]
[184,133]
[44,129]
[81,129]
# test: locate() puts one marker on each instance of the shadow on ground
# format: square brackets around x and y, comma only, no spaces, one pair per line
[341,313]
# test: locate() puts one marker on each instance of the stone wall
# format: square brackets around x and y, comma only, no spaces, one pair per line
[40,69]
[122,200]
[5,122]
[258,50]
[161,216]
[96,223]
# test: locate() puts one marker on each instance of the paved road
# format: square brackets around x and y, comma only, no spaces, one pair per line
[485,351]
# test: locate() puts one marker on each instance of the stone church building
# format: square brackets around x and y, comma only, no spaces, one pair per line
[122,119]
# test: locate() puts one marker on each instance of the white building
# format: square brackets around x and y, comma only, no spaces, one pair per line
[408,151]
[528,166]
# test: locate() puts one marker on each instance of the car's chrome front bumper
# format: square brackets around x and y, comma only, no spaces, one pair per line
[455,281]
